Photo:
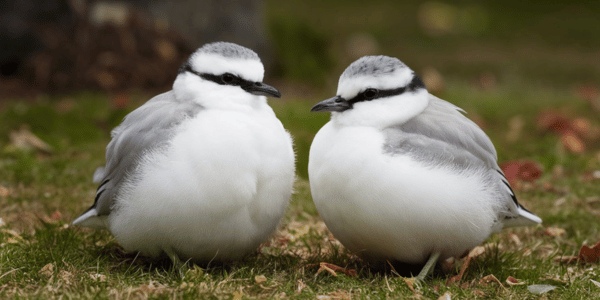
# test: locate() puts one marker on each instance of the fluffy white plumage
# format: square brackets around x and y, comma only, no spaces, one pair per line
[398,174]
[203,172]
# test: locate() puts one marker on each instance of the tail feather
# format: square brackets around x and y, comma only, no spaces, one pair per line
[525,218]
[91,219]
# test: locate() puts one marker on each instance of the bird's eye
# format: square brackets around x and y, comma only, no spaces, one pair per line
[227,78]
[370,94]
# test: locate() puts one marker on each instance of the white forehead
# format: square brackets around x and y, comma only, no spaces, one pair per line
[218,58]
[380,72]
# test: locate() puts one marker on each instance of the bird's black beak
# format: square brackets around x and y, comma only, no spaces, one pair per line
[336,103]
[262,89]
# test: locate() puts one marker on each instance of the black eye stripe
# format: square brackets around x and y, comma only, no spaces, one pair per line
[237,81]
[414,84]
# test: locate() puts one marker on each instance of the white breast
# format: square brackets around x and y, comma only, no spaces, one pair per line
[218,191]
[393,207]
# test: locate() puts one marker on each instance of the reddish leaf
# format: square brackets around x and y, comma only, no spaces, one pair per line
[590,254]
[553,121]
[525,170]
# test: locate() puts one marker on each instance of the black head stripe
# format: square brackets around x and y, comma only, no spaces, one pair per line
[415,83]
[412,86]
[215,78]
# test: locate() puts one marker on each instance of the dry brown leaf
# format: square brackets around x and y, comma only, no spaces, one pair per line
[332,269]
[572,142]
[65,276]
[24,139]
[514,281]
[554,231]
[515,239]
[47,270]
[477,251]
[260,279]
[581,126]
[553,121]
[525,170]
[568,259]
[238,295]
[590,254]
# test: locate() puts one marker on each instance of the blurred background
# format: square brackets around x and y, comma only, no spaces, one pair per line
[66,45]
[520,67]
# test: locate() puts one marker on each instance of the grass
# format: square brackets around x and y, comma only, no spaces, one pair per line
[537,53]
[41,256]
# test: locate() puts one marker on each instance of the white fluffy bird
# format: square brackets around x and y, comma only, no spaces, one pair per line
[399,174]
[202,172]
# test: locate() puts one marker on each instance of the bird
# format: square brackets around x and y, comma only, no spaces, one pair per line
[398,174]
[203,172]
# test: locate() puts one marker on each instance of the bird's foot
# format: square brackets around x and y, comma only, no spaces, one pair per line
[178,265]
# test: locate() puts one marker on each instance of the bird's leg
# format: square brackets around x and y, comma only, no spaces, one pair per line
[177,263]
[429,266]
[416,282]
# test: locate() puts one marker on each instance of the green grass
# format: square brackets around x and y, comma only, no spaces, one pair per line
[41,256]
[538,53]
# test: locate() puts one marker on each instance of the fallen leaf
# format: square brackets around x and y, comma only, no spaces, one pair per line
[24,139]
[596,283]
[553,121]
[514,281]
[332,269]
[590,254]
[572,142]
[554,231]
[445,296]
[515,239]
[581,126]
[525,170]
[539,289]
[47,270]
[475,252]
[238,295]
[65,276]
[568,259]
[260,279]
[56,215]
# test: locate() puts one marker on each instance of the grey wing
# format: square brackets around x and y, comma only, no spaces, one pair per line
[148,127]
[443,135]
